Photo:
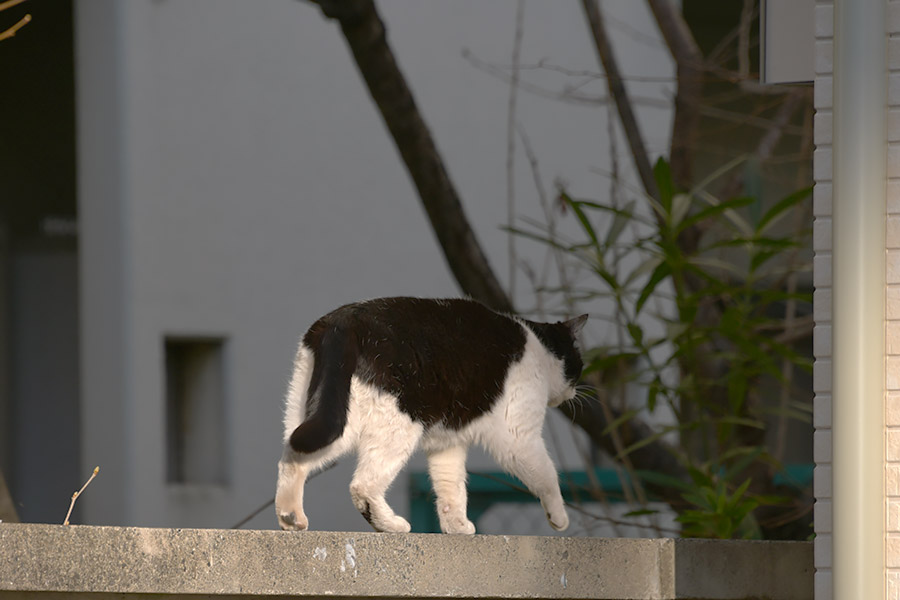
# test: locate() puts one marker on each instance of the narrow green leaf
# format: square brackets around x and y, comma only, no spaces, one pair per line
[609,361]
[714,175]
[780,207]
[620,220]
[714,210]
[740,223]
[743,463]
[636,333]
[625,213]
[676,329]
[585,224]
[617,422]
[733,420]
[648,440]
[681,205]
[652,394]
[664,183]
[662,271]
[742,489]
[648,265]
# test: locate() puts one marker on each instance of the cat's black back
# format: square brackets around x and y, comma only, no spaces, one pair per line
[444,360]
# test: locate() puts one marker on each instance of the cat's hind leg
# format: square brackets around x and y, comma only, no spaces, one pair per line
[384,449]
[447,469]
[292,474]
[293,470]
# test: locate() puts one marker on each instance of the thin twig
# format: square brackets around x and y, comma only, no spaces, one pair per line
[620,95]
[556,253]
[78,493]
[775,132]
[566,95]
[545,65]
[9,4]
[689,67]
[511,147]
[12,30]
[271,501]
[744,38]
[246,519]
[743,119]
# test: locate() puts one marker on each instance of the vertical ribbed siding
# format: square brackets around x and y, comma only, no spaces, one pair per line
[822,313]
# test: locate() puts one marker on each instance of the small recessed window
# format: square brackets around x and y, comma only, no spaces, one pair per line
[195,411]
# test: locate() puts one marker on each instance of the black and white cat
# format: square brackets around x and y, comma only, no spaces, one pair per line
[387,375]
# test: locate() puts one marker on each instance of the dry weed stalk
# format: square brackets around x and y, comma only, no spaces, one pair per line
[78,493]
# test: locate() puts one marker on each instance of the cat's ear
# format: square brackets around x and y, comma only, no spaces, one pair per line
[576,325]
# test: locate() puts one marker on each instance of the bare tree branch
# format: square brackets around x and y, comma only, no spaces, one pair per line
[511,145]
[689,71]
[620,96]
[795,100]
[366,35]
[568,94]
[747,13]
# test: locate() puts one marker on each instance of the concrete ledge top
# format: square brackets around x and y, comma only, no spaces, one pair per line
[54,560]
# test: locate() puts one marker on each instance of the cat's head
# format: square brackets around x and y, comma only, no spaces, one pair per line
[561,339]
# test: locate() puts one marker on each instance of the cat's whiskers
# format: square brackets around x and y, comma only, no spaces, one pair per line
[584,392]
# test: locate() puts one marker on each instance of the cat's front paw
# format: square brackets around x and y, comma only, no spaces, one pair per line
[464,526]
[453,519]
[458,525]
[559,521]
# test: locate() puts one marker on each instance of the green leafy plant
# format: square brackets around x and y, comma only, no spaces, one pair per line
[719,513]
[698,290]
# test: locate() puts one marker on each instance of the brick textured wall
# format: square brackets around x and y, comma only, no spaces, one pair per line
[822,245]
[892,309]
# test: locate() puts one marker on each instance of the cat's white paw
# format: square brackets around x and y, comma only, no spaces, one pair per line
[459,525]
[559,521]
[555,509]
[394,524]
[290,521]
[453,519]
[289,511]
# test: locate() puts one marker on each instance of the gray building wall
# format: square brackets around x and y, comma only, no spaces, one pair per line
[235,182]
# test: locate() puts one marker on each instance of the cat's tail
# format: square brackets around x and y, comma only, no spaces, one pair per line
[328,396]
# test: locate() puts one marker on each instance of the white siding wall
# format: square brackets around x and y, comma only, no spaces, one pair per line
[822,298]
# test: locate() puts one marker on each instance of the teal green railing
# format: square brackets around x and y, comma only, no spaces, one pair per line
[489,488]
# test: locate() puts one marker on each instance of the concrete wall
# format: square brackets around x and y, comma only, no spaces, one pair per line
[41,561]
[236,182]
[44,332]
